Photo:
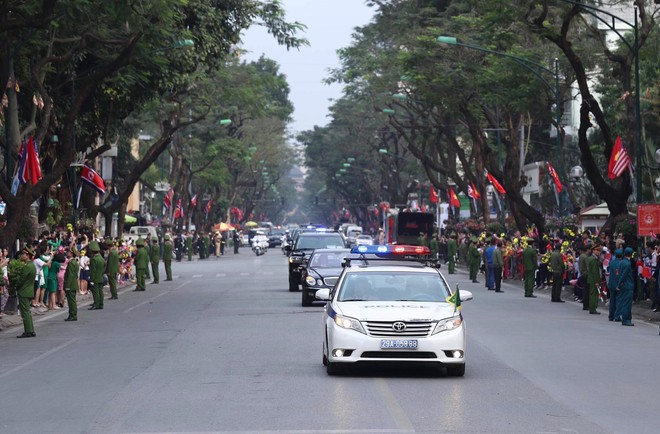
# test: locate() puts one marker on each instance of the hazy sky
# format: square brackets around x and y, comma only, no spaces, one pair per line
[330,24]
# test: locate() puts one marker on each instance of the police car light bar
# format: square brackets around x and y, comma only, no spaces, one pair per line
[391,250]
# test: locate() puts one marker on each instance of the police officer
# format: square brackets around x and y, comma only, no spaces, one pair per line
[178,247]
[452,248]
[96,271]
[112,268]
[189,246]
[558,267]
[434,246]
[26,291]
[141,262]
[155,259]
[147,247]
[71,283]
[530,263]
[474,257]
[167,257]
[613,284]
[593,279]
[627,287]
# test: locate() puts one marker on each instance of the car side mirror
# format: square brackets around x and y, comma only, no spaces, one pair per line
[323,294]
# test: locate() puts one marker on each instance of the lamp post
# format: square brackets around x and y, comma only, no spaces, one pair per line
[536,69]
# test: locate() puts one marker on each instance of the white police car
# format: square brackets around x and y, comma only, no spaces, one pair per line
[393,306]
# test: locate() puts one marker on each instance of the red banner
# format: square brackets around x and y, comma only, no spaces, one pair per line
[648,220]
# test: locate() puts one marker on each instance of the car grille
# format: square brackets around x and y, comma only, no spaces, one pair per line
[399,355]
[330,281]
[385,328]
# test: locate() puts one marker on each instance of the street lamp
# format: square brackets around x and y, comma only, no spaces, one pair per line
[536,69]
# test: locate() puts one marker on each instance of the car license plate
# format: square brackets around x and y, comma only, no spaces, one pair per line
[398,344]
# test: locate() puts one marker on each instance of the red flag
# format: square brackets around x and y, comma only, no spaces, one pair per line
[453,199]
[29,166]
[207,208]
[433,195]
[167,200]
[193,201]
[619,160]
[178,210]
[555,177]
[473,192]
[495,183]
[93,179]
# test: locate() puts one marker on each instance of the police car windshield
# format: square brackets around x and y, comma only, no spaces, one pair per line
[388,286]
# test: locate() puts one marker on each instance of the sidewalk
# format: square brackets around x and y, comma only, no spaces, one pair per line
[640,310]
[13,320]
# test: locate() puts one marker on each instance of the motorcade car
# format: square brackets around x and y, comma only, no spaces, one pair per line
[394,308]
[364,240]
[275,237]
[322,269]
[352,232]
[303,246]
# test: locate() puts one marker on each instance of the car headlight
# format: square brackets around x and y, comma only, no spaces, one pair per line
[448,324]
[310,281]
[347,322]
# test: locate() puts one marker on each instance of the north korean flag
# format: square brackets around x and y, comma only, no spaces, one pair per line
[93,179]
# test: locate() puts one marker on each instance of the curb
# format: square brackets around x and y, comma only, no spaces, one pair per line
[12,320]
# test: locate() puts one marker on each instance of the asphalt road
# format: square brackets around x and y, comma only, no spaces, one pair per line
[226,347]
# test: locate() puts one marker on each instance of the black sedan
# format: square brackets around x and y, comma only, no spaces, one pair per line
[321,271]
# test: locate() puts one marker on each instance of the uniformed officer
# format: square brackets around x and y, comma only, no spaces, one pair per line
[613,282]
[71,283]
[26,291]
[178,247]
[167,257]
[189,246]
[155,259]
[96,271]
[593,279]
[434,246]
[422,240]
[627,287]
[452,249]
[558,267]
[147,247]
[474,257]
[112,268]
[530,263]
[141,262]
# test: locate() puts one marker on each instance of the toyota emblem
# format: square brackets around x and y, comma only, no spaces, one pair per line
[399,326]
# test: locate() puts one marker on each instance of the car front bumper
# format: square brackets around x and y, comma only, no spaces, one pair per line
[349,346]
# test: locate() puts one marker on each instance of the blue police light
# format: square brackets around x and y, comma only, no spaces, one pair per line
[371,250]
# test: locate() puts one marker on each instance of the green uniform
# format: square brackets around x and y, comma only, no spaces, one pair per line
[26,293]
[71,286]
[141,262]
[112,270]
[421,240]
[557,266]
[206,242]
[473,259]
[530,259]
[452,248]
[167,259]
[434,246]
[96,271]
[593,280]
[155,259]
[189,248]
[147,246]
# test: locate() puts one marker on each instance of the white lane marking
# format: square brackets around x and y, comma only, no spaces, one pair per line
[36,359]
[300,431]
[146,301]
[245,274]
[398,414]
[221,275]
[196,276]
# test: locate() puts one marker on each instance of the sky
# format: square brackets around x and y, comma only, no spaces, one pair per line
[330,24]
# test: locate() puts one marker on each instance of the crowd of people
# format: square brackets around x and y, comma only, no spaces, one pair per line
[600,269]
